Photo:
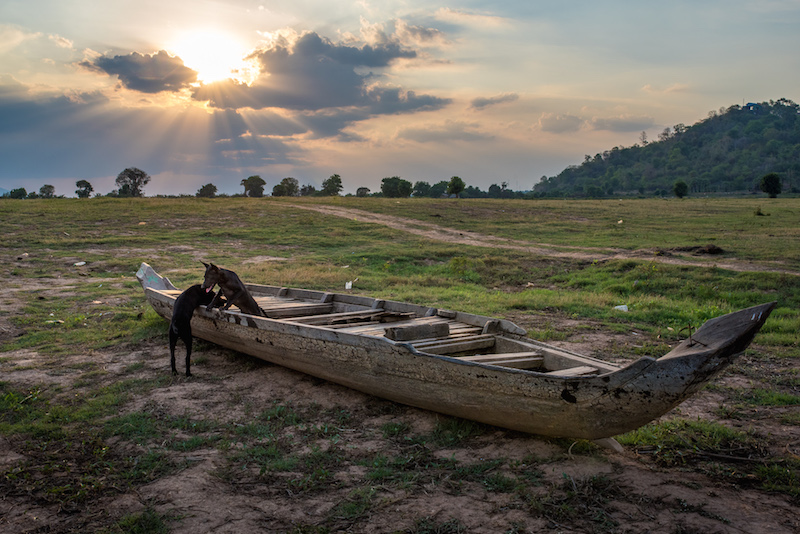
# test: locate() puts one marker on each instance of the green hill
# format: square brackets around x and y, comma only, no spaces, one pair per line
[727,152]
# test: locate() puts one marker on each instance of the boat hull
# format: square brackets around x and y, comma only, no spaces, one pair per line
[590,407]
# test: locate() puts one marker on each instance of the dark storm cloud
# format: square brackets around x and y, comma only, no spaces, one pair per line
[393,100]
[310,44]
[145,73]
[314,74]
[480,103]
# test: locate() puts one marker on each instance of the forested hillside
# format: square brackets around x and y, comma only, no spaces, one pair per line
[729,151]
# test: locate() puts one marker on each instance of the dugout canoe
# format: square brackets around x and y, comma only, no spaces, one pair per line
[465,365]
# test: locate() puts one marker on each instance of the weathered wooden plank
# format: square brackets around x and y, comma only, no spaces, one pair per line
[417,331]
[517,360]
[379,331]
[297,310]
[332,318]
[582,370]
[450,346]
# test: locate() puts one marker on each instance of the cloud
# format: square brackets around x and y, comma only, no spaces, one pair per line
[11,37]
[624,123]
[475,20]
[674,88]
[145,73]
[61,42]
[419,35]
[318,80]
[480,102]
[311,73]
[393,100]
[449,131]
[311,45]
[560,123]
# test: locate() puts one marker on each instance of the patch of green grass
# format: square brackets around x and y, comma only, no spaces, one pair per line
[395,430]
[767,397]
[722,451]
[579,500]
[147,522]
[356,505]
[678,441]
[148,467]
[781,477]
[451,431]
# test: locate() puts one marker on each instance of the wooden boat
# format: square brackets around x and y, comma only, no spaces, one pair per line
[465,365]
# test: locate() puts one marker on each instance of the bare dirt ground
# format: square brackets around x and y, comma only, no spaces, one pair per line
[557,487]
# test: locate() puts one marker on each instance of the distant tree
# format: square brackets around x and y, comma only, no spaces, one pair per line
[665,135]
[455,186]
[771,184]
[332,186]
[680,189]
[131,182]
[17,193]
[307,190]
[396,187]
[438,189]
[288,187]
[207,191]
[253,186]
[643,138]
[362,191]
[47,191]
[421,189]
[84,189]
[495,191]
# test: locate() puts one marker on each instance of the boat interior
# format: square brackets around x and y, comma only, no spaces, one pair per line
[471,338]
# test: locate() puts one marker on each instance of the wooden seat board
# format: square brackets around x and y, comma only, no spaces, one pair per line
[582,370]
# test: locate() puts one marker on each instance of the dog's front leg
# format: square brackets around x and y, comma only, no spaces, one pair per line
[233,298]
[213,301]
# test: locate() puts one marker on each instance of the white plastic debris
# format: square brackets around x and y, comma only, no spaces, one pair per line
[622,308]
[79,264]
[349,285]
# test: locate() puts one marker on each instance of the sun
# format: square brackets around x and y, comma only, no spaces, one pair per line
[214,55]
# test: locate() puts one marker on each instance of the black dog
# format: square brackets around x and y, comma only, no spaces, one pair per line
[232,287]
[181,324]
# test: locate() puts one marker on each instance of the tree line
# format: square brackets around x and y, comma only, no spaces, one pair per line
[132,181]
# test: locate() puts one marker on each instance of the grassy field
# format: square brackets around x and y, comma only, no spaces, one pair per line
[72,308]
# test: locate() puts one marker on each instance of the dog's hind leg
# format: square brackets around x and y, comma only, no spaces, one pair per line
[187,340]
[173,340]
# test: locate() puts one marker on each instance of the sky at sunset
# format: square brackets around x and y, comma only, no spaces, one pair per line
[215,91]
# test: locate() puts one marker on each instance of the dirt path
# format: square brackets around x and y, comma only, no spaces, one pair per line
[451,235]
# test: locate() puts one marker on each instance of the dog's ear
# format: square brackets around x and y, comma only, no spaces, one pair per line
[204,263]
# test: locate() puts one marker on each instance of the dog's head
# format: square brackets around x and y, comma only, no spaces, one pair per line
[211,277]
